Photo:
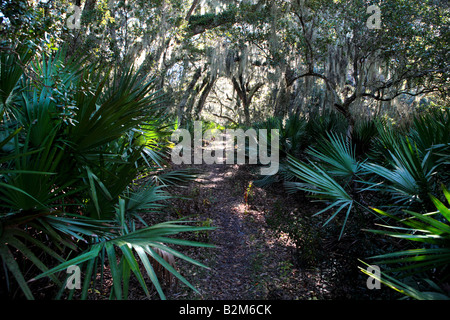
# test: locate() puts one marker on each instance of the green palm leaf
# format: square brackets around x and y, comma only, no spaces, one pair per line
[407,177]
[432,230]
[322,186]
[337,155]
[402,287]
[146,243]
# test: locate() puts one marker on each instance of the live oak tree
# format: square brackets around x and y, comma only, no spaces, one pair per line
[324,53]
[243,60]
[406,56]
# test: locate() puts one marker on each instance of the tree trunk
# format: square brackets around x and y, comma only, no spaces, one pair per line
[191,10]
[184,99]
[204,95]
[246,94]
[344,108]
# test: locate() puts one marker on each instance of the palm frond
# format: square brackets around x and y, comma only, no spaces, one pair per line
[148,244]
[432,228]
[404,288]
[317,182]
[408,177]
[12,66]
[337,156]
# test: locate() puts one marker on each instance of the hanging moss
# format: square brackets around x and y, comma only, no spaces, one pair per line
[199,23]
[201,20]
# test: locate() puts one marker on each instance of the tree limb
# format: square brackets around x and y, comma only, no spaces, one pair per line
[225,117]
[194,4]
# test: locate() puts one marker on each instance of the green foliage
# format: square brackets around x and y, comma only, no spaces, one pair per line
[322,185]
[398,168]
[364,136]
[292,133]
[408,178]
[83,147]
[413,291]
[22,21]
[150,246]
[337,157]
[431,228]
[431,136]
[429,236]
[403,166]
[71,152]
[211,20]
[320,125]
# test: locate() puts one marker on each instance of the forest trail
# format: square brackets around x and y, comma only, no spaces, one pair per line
[250,260]
[247,253]
[232,275]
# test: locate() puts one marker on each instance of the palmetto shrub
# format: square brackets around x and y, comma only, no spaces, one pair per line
[329,176]
[399,170]
[319,125]
[293,140]
[74,138]
[426,255]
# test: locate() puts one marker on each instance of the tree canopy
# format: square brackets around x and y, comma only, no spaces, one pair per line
[241,61]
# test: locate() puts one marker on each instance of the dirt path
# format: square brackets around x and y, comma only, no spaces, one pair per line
[249,261]
[232,275]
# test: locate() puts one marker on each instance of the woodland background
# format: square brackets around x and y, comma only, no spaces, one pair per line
[87,111]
